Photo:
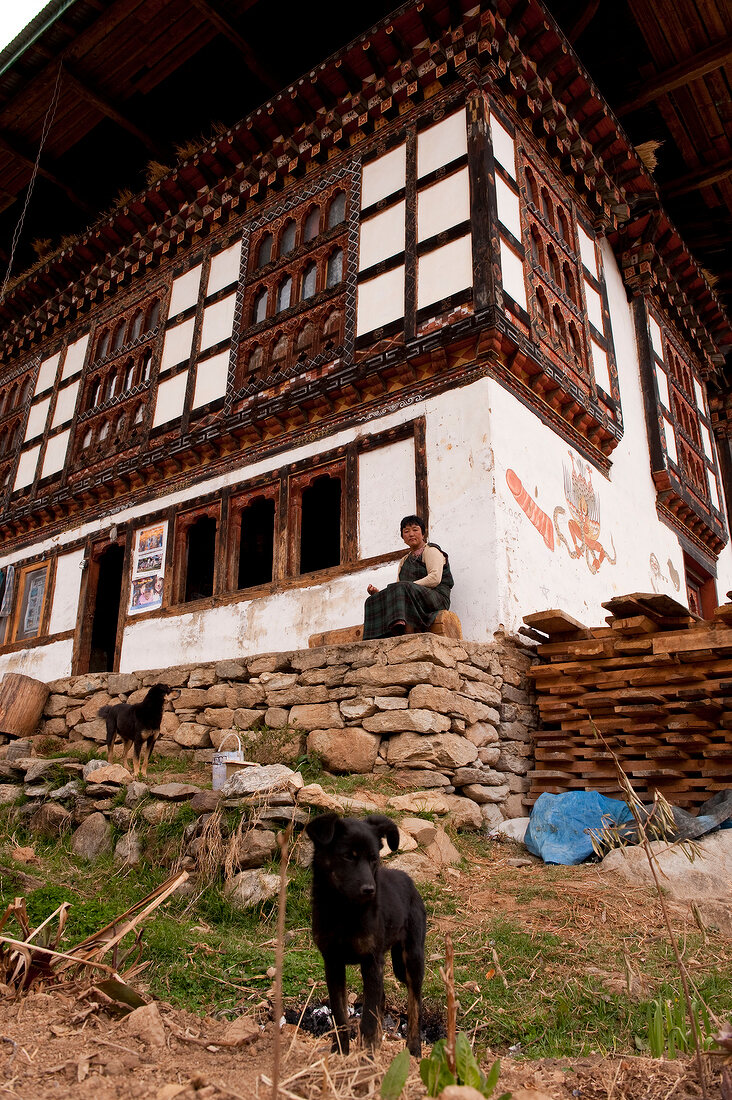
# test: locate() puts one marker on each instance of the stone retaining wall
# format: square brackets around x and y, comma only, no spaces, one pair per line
[452,717]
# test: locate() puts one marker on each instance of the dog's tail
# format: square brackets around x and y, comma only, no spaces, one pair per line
[103,712]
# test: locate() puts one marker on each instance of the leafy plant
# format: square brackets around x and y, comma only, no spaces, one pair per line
[436,1073]
[669,1032]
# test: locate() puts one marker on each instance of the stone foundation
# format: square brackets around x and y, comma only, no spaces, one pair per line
[439,715]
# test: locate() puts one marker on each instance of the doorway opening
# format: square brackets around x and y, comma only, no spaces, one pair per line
[106,609]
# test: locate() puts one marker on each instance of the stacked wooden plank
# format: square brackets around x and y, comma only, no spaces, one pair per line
[656,681]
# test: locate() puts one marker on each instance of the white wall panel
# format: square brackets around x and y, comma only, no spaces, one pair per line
[504,149]
[600,367]
[386,492]
[381,236]
[211,377]
[383,176]
[380,300]
[177,345]
[512,271]
[508,208]
[594,306]
[185,291]
[27,467]
[65,404]
[74,360]
[587,251]
[706,440]
[170,399]
[699,393]
[443,205]
[218,322]
[656,340]
[713,489]
[441,143]
[37,418]
[224,268]
[444,271]
[55,455]
[47,373]
[43,662]
[663,387]
[670,437]
[66,591]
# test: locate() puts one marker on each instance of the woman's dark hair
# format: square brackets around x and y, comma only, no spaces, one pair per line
[408,521]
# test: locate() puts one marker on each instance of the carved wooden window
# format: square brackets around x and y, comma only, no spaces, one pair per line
[284,294]
[317,508]
[334,273]
[259,311]
[312,225]
[252,538]
[337,210]
[195,551]
[31,597]
[309,281]
[264,252]
[287,240]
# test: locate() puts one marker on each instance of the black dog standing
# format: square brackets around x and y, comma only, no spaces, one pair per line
[360,911]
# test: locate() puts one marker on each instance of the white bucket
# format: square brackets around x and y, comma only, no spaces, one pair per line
[221,759]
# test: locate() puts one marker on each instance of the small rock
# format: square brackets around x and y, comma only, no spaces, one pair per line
[314,795]
[421,802]
[101,790]
[19,749]
[93,838]
[461,1092]
[51,820]
[109,773]
[37,769]
[518,863]
[128,848]
[442,851]
[261,780]
[515,828]
[255,848]
[241,1031]
[155,813]
[205,802]
[145,1024]
[250,888]
[175,792]
[135,793]
[121,817]
[420,778]
[69,790]
[37,790]
[10,793]
[424,832]
[92,766]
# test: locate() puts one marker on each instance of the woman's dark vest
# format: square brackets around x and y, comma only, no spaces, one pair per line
[414,569]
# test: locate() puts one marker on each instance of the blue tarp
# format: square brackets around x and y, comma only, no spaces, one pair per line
[559,823]
[557,830]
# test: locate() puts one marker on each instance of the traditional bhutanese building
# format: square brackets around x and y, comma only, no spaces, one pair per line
[433,275]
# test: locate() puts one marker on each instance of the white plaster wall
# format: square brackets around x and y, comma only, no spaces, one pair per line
[444,271]
[170,399]
[65,404]
[45,662]
[380,300]
[439,144]
[66,592]
[218,321]
[443,205]
[185,291]
[37,418]
[27,467]
[47,373]
[381,236]
[384,176]
[177,345]
[211,376]
[55,456]
[224,268]
[386,492]
[533,577]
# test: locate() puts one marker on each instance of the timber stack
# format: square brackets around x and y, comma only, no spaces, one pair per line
[656,682]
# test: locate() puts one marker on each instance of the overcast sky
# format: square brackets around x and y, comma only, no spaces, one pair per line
[14,15]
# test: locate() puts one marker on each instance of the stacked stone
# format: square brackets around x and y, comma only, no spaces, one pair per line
[439,714]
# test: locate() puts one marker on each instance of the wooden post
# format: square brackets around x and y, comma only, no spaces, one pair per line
[22,700]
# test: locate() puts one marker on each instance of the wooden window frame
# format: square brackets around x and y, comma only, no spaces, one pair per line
[183,523]
[296,484]
[237,504]
[23,576]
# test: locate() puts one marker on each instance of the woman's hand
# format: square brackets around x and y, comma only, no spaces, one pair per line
[372,590]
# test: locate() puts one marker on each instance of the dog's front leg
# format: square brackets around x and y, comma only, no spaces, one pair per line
[335,977]
[372,971]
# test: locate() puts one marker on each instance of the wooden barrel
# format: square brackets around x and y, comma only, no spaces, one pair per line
[447,624]
[22,700]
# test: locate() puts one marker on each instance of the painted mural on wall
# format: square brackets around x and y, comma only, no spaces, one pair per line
[583,525]
[659,579]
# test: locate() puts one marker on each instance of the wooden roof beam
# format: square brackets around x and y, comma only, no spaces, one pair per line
[706,61]
[12,149]
[702,177]
[222,24]
[105,105]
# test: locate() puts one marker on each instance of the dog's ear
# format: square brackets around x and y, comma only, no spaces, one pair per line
[384,827]
[321,830]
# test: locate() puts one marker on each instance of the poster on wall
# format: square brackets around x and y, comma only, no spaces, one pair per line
[148,569]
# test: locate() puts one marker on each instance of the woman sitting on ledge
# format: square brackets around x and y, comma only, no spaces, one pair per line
[423,588]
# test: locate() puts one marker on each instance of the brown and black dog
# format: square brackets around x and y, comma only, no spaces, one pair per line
[361,910]
[137,725]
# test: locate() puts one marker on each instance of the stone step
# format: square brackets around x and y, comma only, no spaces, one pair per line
[446,625]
